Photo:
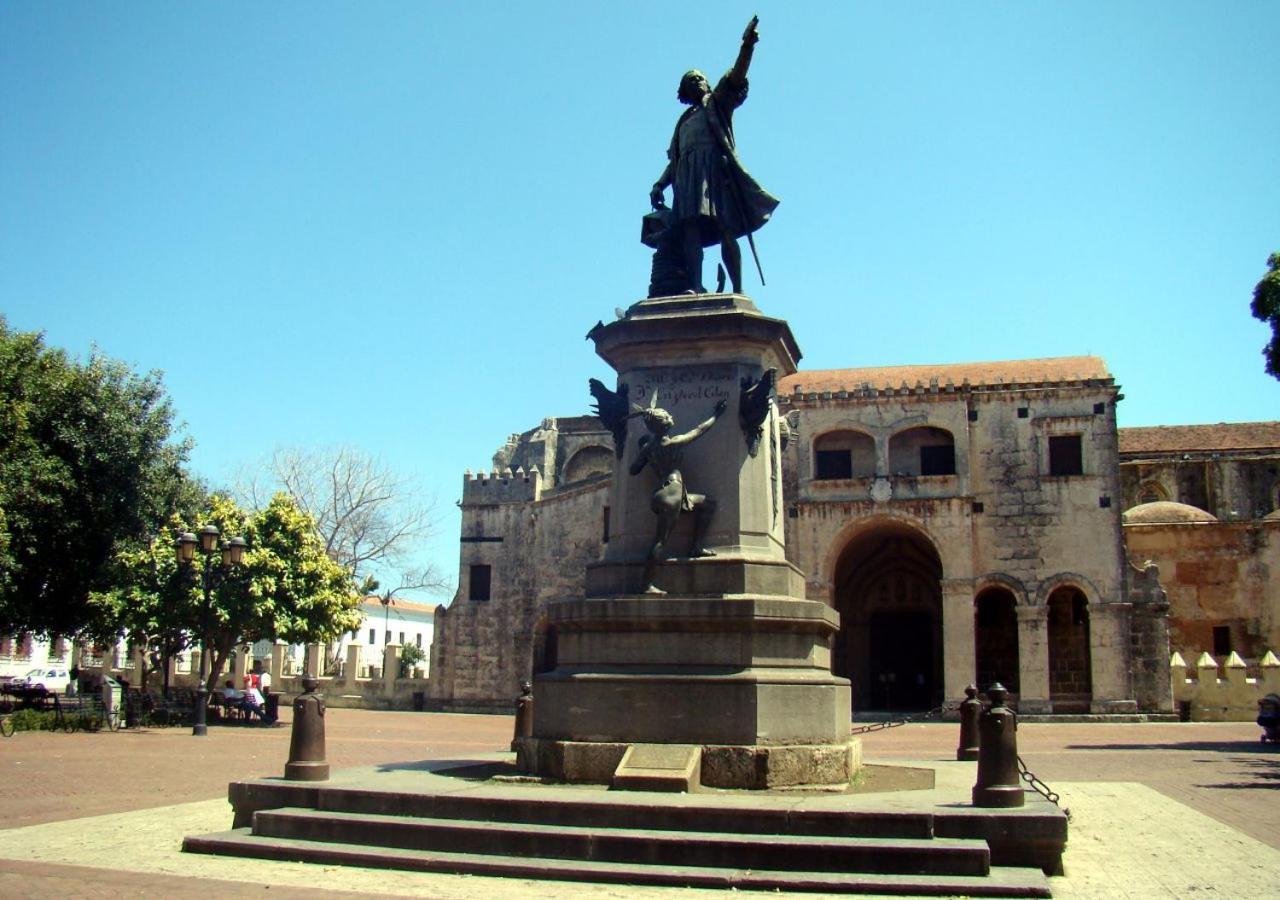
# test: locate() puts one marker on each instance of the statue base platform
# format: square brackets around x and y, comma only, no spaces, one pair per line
[747,678]
[749,766]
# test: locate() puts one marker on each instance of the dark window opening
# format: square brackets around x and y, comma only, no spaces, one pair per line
[1065,457]
[832,464]
[373,638]
[1104,502]
[418,638]
[480,578]
[1099,408]
[605,538]
[978,507]
[940,460]
[1023,412]
[973,415]
[1221,640]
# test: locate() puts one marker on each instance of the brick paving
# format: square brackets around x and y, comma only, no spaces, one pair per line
[1218,769]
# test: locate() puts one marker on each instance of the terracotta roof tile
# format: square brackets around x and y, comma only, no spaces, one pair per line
[1056,369]
[1201,438]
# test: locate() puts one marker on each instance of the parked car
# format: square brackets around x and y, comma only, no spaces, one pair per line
[54,679]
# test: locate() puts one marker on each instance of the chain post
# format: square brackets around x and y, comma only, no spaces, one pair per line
[1040,787]
[934,713]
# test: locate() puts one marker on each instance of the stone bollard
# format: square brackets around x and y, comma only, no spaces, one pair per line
[306,742]
[970,712]
[998,782]
[524,714]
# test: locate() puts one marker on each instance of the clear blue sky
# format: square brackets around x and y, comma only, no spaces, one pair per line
[391,224]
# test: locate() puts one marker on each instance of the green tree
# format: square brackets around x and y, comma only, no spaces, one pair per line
[88,463]
[151,600]
[1266,307]
[287,589]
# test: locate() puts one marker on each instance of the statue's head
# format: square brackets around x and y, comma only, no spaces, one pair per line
[658,421]
[693,87]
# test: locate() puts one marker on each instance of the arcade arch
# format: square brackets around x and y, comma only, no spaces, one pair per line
[1070,660]
[995,638]
[888,590]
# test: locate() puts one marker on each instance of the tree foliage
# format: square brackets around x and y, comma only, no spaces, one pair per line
[287,587]
[88,463]
[1266,307]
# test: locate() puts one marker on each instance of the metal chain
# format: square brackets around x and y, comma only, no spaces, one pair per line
[1040,787]
[934,713]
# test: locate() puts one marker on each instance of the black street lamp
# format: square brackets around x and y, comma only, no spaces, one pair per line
[232,553]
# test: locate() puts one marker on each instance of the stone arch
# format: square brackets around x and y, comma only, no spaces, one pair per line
[995,636]
[594,459]
[887,587]
[1151,491]
[843,453]
[1067,579]
[1070,655]
[1015,586]
[922,450]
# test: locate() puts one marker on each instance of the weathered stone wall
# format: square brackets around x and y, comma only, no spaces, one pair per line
[536,537]
[1216,574]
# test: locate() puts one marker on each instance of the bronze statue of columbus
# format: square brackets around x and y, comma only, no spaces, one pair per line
[714,198]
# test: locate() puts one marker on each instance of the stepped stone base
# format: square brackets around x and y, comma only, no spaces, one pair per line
[457,816]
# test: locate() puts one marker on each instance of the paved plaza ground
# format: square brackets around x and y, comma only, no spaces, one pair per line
[1159,810]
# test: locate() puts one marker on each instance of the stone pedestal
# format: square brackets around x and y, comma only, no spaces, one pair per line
[729,656]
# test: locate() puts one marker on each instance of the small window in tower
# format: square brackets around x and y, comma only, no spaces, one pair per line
[1065,456]
[605,535]
[480,578]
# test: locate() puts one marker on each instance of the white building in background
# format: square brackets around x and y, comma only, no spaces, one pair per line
[21,653]
[401,622]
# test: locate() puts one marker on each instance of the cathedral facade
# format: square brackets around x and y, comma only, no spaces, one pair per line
[965,521]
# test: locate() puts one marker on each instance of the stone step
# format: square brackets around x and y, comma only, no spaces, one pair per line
[679,814]
[1001,882]
[949,856]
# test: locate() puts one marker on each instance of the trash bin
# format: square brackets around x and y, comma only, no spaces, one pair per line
[112,697]
[271,709]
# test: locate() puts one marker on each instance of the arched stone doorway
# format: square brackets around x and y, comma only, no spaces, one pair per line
[889,595]
[1070,664]
[995,638]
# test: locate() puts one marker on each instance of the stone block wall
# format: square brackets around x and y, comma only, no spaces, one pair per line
[1216,574]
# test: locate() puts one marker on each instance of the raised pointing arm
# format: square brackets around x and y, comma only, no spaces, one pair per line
[749,38]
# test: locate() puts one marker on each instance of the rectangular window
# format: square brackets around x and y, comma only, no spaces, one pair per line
[829,465]
[418,637]
[387,640]
[605,540]
[1065,457]
[939,460]
[373,638]
[402,639]
[1221,640]
[480,579]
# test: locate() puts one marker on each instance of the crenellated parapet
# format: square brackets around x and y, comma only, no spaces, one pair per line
[502,486]
[1226,692]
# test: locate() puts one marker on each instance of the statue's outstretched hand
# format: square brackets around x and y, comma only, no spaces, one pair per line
[655,197]
[721,406]
[751,35]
